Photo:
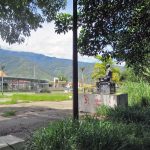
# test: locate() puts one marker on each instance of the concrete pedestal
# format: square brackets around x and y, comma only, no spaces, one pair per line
[106,87]
[90,102]
[7,141]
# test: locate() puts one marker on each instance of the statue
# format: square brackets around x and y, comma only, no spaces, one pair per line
[108,76]
[106,85]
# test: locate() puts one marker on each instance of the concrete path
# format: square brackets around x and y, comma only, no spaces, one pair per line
[10,142]
[31,116]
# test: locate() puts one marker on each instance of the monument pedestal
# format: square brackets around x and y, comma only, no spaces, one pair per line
[90,102]
[106,87]
[105,96]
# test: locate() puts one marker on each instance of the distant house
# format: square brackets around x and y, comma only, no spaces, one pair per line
[2,74]
[11,83]
[21,83]
[58,84]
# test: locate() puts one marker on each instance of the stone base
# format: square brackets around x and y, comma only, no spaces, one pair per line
[90,102]
[106,88]
[7,141]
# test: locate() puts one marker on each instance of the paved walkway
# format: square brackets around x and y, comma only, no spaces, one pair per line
[31,116]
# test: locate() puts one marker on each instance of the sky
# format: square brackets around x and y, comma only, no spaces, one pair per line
[46,41]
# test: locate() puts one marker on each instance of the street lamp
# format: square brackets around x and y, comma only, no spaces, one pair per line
[75,63]
[2,68]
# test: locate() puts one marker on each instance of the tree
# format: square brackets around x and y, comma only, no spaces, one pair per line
[129,75]
[82,71]
[19,17]
[62,77]
[135,74]
[100,69]
[142,72]
[146,74]
[122,24]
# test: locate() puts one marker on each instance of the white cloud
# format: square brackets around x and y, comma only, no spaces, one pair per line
[46,41]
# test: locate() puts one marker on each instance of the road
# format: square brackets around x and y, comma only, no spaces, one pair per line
[31,116]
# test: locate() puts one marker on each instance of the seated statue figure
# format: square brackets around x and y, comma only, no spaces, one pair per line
[106,85]
[108,76]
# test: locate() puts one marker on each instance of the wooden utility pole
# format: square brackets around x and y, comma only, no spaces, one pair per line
[2,82]
[75,63]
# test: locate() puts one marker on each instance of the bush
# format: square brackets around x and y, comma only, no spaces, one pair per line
[138,92]
[89,134]
[88,88]
[130,114]
[45,90]
[9,113]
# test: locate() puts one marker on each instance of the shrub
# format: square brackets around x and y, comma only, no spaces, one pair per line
[134,114]
[88,88]
[103,110]
[137,92]
[9,113]
[45,90]
[89,134]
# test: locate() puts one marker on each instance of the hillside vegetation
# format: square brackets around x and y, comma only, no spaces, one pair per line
[22,64]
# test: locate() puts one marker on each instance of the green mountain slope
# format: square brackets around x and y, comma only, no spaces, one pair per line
[25,64]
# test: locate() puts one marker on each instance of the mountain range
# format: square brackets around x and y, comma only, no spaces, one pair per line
[32,65]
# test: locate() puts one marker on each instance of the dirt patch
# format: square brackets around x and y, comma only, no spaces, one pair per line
[31,116]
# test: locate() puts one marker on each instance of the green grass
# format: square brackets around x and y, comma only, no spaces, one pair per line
[90,134]
[9,113]
[40,97]
[3,96]
[8,102]
[137,92]
[33,97]
[6,99]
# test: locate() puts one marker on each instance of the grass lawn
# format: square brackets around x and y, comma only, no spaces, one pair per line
[3,96]
[33,97]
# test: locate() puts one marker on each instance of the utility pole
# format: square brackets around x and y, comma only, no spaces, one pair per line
[34,71]
[2,68]
[2,82]
[75,63]
[34,83]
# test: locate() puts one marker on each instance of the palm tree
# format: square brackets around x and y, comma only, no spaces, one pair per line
[82,70]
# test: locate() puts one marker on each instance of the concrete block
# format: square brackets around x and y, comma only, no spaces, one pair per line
[90,102]
[13,141]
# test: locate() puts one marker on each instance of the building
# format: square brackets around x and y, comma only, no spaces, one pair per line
[11,84]
[24,84]
[2,74]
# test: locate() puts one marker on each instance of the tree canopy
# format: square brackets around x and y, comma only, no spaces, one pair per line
[100,69]
[123,24]
[19,17]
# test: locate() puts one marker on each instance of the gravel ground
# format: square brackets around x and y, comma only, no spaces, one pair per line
[31,116]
